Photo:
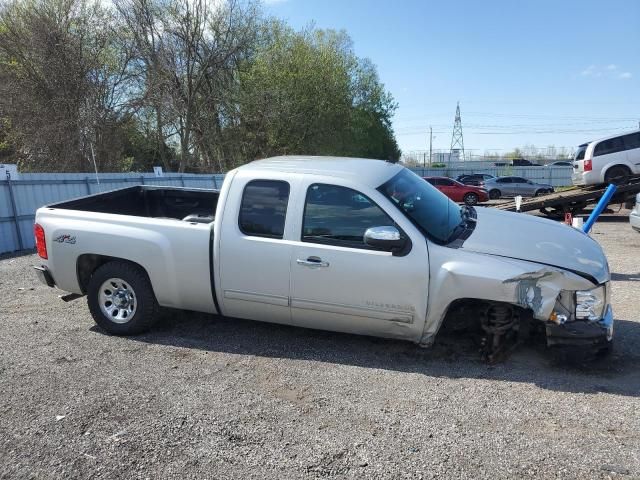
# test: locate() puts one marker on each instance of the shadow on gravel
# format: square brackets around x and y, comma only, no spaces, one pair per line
[625,277]
[16,254]
[450,357]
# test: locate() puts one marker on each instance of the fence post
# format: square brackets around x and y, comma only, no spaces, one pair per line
[15,211]
[142,179]
[182,179]
[86,180]
[215,183]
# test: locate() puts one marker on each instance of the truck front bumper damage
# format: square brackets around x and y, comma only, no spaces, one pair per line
[582,332]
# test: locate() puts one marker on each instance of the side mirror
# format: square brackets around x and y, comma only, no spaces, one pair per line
[386,238]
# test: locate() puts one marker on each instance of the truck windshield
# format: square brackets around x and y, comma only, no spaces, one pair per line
[427,208]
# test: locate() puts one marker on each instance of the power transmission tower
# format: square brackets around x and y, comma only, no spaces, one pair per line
[457,141]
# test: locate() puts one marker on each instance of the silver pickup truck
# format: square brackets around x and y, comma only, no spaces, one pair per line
[351,245]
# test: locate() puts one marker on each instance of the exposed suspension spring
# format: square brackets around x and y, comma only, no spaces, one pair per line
[500,325]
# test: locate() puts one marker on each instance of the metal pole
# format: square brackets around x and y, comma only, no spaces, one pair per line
[602,204]
[142,179]
[86,179]
[215,182]
[15,211]
[182,179]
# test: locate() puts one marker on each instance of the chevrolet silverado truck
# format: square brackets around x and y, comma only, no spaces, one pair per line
[350,245]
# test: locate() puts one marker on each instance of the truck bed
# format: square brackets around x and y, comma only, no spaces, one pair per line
[192,205]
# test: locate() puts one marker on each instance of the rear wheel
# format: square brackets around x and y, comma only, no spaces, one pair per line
[121,299]
[470,198]
[495,194]
[617,175]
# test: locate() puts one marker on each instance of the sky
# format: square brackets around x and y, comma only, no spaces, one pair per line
[537,72]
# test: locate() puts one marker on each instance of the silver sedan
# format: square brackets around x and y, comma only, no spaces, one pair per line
[512,186]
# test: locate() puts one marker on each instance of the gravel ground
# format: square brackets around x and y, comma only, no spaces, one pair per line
[207,397]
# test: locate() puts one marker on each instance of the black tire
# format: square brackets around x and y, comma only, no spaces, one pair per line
[136,281]
[495,194]
[470,198]
[618,175]
[542,191]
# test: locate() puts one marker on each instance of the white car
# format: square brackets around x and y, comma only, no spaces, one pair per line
[608,160]
[634,216]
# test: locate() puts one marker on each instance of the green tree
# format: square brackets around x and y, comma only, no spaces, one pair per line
[307,93]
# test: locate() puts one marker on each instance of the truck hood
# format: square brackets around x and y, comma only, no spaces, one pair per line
[535,239]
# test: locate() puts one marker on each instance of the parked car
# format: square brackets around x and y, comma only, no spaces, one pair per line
[512,186]
[476,179]
[560,163]
[351,245]
[634,216]
[516,162]
[459,192]
[608,160]
[523,162]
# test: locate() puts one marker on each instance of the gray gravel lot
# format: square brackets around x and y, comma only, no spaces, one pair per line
[207,397]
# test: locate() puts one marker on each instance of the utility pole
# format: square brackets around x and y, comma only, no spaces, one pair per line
[430,144]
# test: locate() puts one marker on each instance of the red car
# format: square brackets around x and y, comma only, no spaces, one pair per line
[459,192]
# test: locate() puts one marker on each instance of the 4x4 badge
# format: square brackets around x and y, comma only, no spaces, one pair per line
[65,239]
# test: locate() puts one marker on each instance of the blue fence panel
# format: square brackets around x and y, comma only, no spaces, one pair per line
[557,176]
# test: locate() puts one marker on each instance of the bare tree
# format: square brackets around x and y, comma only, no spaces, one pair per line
[190,51]
[62,81]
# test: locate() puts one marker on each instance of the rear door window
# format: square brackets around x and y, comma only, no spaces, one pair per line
[264,208]
[612,145]
[504,180]
[446,182]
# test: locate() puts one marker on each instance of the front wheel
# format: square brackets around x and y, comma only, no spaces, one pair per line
[121,299]
[470,198]
[495,194]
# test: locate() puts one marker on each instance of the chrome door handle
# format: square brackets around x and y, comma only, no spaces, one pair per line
[312,262]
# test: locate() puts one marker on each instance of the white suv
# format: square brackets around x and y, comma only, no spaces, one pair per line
[608,160]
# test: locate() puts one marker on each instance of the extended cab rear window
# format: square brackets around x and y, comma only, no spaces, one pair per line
[264,208]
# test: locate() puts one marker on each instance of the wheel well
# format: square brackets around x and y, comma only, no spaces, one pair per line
[464,313]
[618,165]
[90,262]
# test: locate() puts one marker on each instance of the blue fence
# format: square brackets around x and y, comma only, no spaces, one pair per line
[20,198]
[556,176]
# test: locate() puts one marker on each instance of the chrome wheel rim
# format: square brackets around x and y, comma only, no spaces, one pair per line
[117,300]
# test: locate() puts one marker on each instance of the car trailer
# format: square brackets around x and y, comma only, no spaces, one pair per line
[574,200]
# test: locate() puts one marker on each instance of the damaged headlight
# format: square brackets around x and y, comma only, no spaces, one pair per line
[590,303]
